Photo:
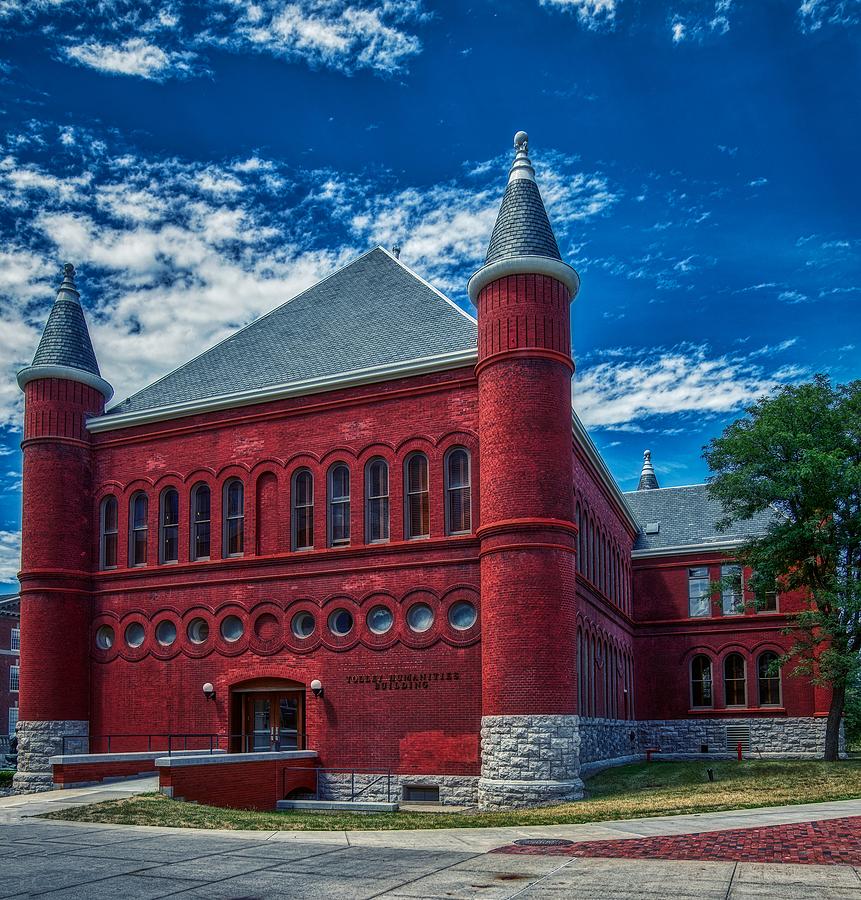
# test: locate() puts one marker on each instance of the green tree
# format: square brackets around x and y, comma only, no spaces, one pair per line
[797,453]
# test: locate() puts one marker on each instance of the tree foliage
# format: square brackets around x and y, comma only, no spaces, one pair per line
[798,454]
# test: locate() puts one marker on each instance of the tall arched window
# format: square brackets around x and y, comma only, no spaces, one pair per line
[339,505]
[200,521]
[303,510]
[416,497]
[768,678]
[138,529]
[734,680]
[377,501]
[701,682]
[458,507]
[234,518]
[169,526]
[579,521]
[108,532]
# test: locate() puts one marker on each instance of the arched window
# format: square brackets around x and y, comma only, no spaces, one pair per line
[769,679]
[200,521]
[234,518]
[734,680]
[108,532]
[138,529]
[303,510]
[416,497]
[701,682]
[169,526]
[377,501]
[458,507]
[339,505]
[579,521]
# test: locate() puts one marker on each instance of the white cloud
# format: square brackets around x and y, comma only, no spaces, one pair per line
[10,555]
[134,56]
[713,20]
[814,14]
[593,14]
[631,388]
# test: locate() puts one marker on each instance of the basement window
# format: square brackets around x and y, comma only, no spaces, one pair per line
[421,793]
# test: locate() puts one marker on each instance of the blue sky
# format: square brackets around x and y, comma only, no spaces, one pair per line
[202,162]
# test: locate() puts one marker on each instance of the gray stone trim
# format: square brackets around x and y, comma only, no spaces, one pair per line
[454,790]
[216,759]
[37,743]
[529,760]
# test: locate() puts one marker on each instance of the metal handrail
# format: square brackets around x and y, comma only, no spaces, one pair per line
[354,792]
[172,742]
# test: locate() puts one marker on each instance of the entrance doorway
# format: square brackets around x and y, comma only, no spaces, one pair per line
[267,714]
[273,721]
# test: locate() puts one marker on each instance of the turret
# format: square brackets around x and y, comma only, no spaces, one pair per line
[62,388]
[648,479]
[530,742]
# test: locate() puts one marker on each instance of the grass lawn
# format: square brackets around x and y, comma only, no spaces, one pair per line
[638,790]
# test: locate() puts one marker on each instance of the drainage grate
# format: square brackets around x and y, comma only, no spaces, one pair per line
[543,842]
[738,734]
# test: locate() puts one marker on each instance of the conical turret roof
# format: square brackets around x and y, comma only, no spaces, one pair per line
[648,479]
[65,350]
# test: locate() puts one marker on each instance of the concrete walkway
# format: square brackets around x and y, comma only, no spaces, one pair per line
[64,859]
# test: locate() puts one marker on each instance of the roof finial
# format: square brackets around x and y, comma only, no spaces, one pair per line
[648,479]
[68,284]
[396,251]
[522,167]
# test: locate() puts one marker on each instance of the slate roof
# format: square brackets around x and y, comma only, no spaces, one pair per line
[10,606]
[522,227]
[372,312]
[687,516]
[66,340]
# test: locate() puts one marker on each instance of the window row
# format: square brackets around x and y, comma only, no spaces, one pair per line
[735,681]
[601,561]
[605,678]
[462,615]
[457,468]
[731,589]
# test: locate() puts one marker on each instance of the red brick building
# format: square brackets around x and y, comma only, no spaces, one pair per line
[10,638]
[371,525]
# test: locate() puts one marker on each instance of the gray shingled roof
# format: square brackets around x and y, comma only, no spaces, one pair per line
[522,227]
[686,516]
[66,340]
[372,312]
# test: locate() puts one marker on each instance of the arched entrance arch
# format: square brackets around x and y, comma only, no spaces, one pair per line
[267,714]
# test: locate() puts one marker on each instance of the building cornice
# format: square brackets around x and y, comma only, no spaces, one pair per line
[389,372]
[689,549]
[523,265]
[67,373]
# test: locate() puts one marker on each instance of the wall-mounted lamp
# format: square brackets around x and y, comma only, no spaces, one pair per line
[209,691]
[316,688]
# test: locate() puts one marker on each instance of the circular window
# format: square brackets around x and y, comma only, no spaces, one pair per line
[302,625]
[340,622]
[135,634]
[420,617]
[380,619]
[462,615]
[198,631]
[231,629]
[105,637]
[266,627]
[165,632]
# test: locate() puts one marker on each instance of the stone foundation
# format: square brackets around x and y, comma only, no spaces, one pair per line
[37,743]
[529,761]
[454,790]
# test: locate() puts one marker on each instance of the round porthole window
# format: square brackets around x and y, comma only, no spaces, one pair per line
[105,637]
[340,622]
[165,632]
[231,629]
[302,625]
[462,615]
[380,619]
[135,634]
[198,631]
[420,617]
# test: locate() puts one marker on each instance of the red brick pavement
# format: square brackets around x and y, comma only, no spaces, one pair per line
[832,842]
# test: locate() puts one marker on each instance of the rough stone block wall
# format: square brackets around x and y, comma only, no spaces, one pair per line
[37,743]
[454,790]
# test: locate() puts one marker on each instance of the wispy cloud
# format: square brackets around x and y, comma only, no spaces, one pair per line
[713,19]
[594,14]
[633,388]
[134,56]
[10,555]
[815,14]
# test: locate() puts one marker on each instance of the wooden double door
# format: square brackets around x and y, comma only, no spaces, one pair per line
[273,720]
